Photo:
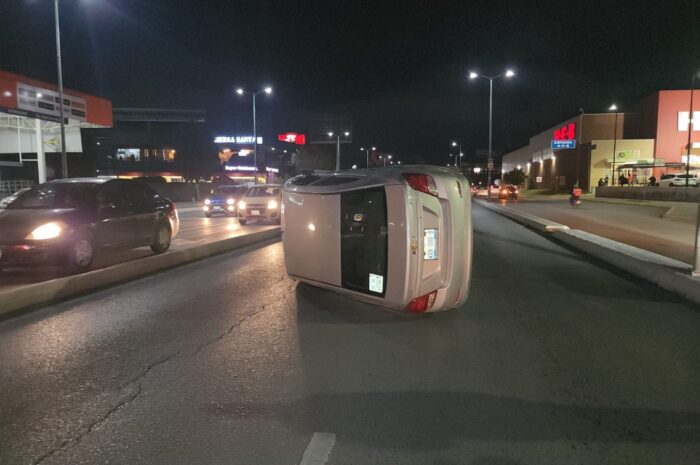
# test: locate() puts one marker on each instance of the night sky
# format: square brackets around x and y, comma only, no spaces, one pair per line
[398,67]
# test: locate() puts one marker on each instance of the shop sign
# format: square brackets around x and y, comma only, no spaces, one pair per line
[239,168]
[684,116]
[292,138]
[236,140]
[567,132]
[563,144]
[538,179]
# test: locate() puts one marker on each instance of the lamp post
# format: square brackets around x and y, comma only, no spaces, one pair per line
[337,147]
[64,156]
[613,107]
[691,124]
[473,75]
[266,90]
[367,150]
[460,154]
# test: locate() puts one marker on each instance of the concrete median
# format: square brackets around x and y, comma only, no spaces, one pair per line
[32,295]
[665,272]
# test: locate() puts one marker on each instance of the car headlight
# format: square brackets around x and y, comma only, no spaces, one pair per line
[207,201]
[230,202]
[241,205]
[272,204]
[45,231]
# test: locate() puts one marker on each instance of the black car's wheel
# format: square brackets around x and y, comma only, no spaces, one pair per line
[81,253]
[243,221]
[161,238]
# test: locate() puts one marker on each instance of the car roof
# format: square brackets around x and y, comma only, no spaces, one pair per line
[82,180]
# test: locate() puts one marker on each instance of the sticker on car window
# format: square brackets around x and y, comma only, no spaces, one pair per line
[376,283]
[430,251]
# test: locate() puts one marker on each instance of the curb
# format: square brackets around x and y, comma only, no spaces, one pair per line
[32,295]
[667,273]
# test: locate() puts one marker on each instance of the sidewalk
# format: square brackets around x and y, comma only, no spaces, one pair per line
[660,227]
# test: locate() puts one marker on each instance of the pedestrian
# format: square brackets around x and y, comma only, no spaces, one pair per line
[601,183]
[630,178]
[652,180]
[622,179]
[606,180]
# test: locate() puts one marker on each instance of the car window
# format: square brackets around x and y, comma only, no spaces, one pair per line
[263,191]
[666,176]
[138,193]
[57,195]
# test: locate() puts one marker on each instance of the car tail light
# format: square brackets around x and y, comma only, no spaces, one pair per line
[422,183]
[422,303]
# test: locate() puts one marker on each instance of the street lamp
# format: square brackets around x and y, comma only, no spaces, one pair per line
[367,150]
[613,107]
[337,147]
[473,75]
[268,91]
[459,145]
[64,156]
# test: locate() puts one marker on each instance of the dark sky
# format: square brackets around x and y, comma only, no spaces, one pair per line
[399,67]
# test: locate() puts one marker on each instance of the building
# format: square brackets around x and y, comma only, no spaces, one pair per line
[30,135]
[651,139]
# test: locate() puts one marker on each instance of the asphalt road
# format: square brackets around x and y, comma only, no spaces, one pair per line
[195,229]
[640,226]
[553,360]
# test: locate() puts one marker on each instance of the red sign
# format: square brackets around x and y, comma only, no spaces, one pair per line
[292,138]
[567,132]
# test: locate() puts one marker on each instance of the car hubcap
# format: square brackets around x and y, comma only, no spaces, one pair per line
[82,252]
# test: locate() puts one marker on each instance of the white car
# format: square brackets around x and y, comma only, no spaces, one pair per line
[674,180]
[400,237]
[262,203]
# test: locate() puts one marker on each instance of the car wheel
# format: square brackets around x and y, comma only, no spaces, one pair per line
[207,214]
[243,221]
[161,238]
[671,185]
[81,254]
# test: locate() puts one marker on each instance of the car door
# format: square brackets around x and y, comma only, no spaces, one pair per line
[142,205]
[115,223]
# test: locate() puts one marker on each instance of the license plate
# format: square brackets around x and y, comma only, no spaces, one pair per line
[430,251]
[217,208]
[255,212]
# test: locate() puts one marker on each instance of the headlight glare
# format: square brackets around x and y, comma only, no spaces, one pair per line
[45,231]
[241,205]
[272,204]
[207,201]
[230,202]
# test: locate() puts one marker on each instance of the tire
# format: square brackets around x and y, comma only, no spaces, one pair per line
[243,221]
[161,238]
[207,214]
[81,253]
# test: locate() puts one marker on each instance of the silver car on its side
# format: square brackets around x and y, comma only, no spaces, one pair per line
[400,237]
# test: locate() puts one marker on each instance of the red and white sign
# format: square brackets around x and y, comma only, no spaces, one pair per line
[567,132]
[292,138]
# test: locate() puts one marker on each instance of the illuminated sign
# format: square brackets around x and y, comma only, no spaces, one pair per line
[563,144]
[567,132]
[236,140]
[292,138]
[272,170]
[239,168]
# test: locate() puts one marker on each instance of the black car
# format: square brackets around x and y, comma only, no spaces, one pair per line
[66,221]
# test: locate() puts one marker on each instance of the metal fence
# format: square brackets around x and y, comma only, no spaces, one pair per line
[10,186]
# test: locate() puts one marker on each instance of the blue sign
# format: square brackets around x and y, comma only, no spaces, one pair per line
[563,144]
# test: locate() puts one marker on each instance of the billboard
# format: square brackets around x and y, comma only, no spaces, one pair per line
[23,96]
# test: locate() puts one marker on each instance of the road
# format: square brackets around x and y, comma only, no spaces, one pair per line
[640,226]
[552,360]
[195,229]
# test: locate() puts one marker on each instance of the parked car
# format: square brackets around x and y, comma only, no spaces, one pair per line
[223,200]
[66,221]
[10,198]
[400,237]
[261,202]
[673,180]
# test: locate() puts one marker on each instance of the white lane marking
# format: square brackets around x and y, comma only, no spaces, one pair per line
[319,449]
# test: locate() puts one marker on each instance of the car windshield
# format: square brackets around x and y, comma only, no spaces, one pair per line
[56,195]
[225,191]
[263,191]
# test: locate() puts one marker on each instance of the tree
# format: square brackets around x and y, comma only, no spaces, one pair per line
[515,177]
